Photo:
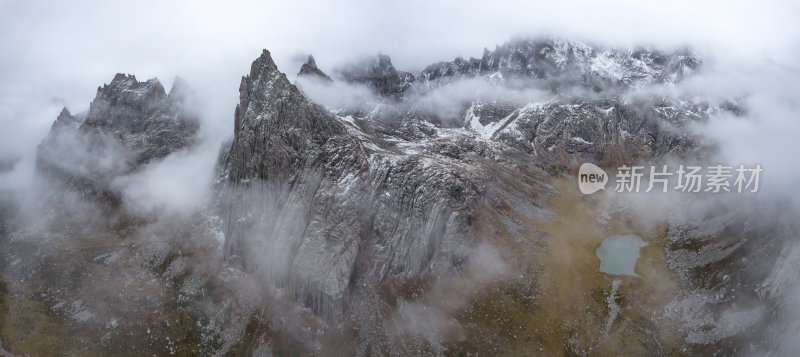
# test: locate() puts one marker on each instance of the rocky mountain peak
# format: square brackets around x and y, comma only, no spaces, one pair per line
[304,191]
[129,123]
[263,66]
[382,64]
[310,70]
[124,97]
[64,114]
[265,77]
[569,63]
[271,108]
[65,119]
[126,83]
[380,75]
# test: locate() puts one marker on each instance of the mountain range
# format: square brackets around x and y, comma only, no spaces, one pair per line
[437,214]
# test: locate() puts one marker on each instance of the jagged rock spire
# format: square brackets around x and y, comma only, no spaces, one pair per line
[129,123]
[272,109]
[310,70]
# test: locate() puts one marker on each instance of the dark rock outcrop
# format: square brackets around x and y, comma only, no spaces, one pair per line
[310,70]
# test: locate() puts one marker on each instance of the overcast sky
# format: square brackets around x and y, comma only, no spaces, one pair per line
[56,53]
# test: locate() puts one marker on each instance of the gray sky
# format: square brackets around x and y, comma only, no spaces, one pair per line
[56,53]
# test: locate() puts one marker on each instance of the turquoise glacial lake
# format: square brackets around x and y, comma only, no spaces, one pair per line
[618,254]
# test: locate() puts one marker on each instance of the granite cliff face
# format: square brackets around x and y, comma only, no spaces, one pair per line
[312,201]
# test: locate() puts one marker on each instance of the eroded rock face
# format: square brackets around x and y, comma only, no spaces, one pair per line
[312,202]
[609,132]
